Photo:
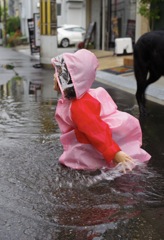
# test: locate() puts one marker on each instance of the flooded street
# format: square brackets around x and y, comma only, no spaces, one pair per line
[41,200]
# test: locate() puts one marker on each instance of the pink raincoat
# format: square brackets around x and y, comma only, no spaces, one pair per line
[93,130]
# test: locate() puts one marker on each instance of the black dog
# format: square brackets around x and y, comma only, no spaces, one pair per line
[148,63]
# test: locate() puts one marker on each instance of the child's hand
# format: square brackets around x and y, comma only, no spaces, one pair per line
[122,157]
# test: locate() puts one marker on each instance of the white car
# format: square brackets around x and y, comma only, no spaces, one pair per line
[70,35]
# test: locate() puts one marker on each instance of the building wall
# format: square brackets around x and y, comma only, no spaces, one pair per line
[72,12]
[88,12]
[142,25]
[124,10]
[96,17]
[75,13]
[11,9]
[26,11]
[159,24]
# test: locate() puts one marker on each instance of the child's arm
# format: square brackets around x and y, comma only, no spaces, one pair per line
[90,128]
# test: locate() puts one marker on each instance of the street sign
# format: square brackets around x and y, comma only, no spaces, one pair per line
[34,48]
[37,29]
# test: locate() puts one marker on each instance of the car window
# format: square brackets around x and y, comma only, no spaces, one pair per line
[68,29]
[75,29]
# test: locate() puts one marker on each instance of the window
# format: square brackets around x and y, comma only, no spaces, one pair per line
[75,29]
[58,9]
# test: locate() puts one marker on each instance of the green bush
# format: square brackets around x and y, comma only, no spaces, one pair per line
[13,24]
[13,31]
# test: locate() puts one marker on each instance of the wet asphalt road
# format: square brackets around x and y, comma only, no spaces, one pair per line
[41,200]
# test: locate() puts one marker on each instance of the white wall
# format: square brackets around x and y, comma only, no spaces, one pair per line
[27,9]
[72,13]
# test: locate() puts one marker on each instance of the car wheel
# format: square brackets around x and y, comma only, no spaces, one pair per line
[65,43]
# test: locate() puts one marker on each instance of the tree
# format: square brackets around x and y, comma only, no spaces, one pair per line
[150,9]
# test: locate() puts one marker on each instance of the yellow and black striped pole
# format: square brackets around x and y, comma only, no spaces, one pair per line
[48,17]
[48,30]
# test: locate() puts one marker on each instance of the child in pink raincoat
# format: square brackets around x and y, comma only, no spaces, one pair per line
[94,133]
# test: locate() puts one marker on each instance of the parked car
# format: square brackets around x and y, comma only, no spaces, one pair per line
[70,35]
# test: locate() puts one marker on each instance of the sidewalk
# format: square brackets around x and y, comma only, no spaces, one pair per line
[126,81]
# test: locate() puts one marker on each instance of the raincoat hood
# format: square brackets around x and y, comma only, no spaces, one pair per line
[76,69]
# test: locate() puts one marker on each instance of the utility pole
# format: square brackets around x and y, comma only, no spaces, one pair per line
[48,21]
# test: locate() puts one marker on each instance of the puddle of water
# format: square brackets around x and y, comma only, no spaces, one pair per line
[69,204]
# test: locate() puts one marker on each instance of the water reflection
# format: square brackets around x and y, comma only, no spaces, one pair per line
[66,204]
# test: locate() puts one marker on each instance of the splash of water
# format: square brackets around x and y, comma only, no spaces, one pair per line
[71,178]
[119,170]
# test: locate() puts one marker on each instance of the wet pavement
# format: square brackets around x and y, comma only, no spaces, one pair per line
[41,200]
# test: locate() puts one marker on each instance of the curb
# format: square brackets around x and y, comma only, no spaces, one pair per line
[127,83]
